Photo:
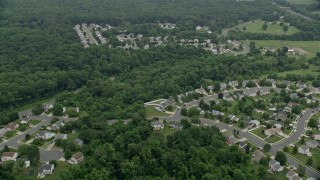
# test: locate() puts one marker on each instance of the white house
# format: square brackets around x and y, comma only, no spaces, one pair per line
[275,166]
[9,156]
[157,125]
[292,175]
[45,135]
[272,131]
[45,169]
[303,149]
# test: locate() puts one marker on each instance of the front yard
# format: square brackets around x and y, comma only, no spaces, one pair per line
[273,139]
[152,112]
[259,132]
[10,134]
[303,158]
[34,122]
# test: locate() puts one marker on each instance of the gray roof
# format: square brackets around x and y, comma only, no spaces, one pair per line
[313,142]
[78,141]
[277,167]
[304,147]
[273,162]
[156,123]
[42,133]
[46,167]
[291,173]
[60,136]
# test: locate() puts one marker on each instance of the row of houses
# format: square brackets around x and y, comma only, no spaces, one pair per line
[7,128]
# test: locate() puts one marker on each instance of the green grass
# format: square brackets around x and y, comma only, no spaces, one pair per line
[57,171]
[10,134]
[23,127]
[256,27]
[273,139]
[167,131]
[152,112]
[312,47]
[308,2]
[46,144]
[259,132]
[72,136]
[287,131]
[34,122]
[303,158]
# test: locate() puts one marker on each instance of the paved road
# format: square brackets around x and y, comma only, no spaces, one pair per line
[45,120]
[252,138]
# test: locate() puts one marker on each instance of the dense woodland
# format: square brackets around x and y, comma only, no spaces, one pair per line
[40,56]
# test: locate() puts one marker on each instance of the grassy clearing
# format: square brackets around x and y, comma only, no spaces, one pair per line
[256,27]
[259,132]
[312,47]
[152,112]
[34,122]
[72,136]
[273,139]
[303,1]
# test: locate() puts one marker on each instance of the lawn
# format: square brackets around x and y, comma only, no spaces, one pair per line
[312,47]
[259,132]
[287,131]
[273,139]
[167,131]
[34,122]
[72,136]
[308,2]
[23,127]
[152,112]
[303,158]
[10,134]
[57,171]
[256,27]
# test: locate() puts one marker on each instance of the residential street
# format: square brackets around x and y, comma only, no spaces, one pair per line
[252,138]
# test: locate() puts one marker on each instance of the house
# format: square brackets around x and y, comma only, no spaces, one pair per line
[242,145]
[250,93]
[24,120]
[47,107]
[233,118]
[217,113]
[57,125]
[292,104]
[9,156]
[234,84]
[175,125]
[231,140]
[201,91]
[278,125]
[257,155]
[12,126]
[264,92]
[301,85]
[286,82]
[76,158]
[294,96]
[78,142]
[272,131]
[228,97]
[303,149]
[157,125]
[211,89]
[275,166]
[61,136]
[45,135]
[272,81]
[45,169]
[291,174]
[312,144]
[244,83]
[3,131]
[317,136]
[280,116]
[254,123]
[223,86]
[168,102]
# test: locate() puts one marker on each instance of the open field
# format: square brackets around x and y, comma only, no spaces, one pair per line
[302,1]
[259,132]
[151,112]
[312,47]
[256,27]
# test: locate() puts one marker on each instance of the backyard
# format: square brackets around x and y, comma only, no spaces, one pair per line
[152,112]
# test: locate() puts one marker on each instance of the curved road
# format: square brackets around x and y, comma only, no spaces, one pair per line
[301,122]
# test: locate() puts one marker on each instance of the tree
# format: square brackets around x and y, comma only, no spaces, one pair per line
[301,170]
[244,28]
[267,147]
[285,28]
[296,109]
[313,123]
[239,175]
[309,161]
[220,95]
[57,110]
[303,140]
[264,26]
[295,150]
[286,149]
[37,109]
[184,112]
[281,157]
[27,136]
[54,162]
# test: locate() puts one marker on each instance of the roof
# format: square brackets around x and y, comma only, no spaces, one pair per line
[42,133]
[78,156]
[255,121]
[273,162]
[8,154]
[292,173]
[304,147]
[277,167]
[156,123]
[46,167]
[313,142]
[60,136]
[78,141]
[11,126]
